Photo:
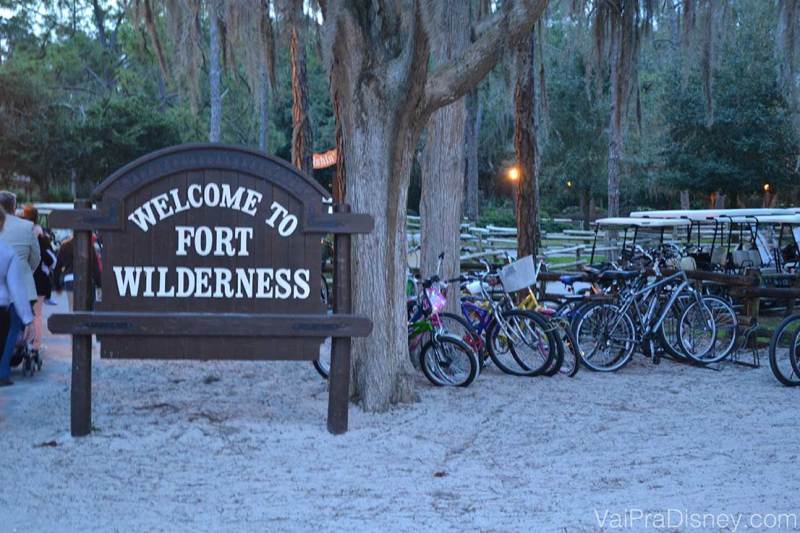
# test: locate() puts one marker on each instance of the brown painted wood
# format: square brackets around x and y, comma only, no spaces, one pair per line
[257,299]
[87,218]
[339,379]
[81,389]
[210,324]
[340,223]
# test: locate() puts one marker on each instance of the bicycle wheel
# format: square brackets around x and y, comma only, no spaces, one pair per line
[447,361]
[458,326]
[781,348]
[605,337]
[725,322]
[794,353]
[520,345]
[697,332]
[323,363]
[668,332]
[727,326]
[571,360]
[558,360]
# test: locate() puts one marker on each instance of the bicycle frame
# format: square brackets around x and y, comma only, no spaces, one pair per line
[648,294]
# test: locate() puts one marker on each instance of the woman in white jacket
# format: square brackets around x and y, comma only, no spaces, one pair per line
[13,291]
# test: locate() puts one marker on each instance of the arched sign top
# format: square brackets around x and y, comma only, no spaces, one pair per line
[208,156]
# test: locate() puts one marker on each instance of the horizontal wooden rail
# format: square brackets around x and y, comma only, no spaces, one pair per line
[210,324]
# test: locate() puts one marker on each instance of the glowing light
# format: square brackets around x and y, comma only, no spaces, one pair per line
[513,173]
[569,184]
[766,187]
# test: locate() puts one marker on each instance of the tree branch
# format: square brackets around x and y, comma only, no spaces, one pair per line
[452,80]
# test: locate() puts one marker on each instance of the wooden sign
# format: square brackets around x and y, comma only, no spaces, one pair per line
[212,252]
[324,159]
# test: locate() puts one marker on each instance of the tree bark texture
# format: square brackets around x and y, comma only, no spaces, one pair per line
[263,109]
[443,158]
[378,54]
[302,140]
[472,131]
[215,73]
[685,203]
[526,150]
[622,55]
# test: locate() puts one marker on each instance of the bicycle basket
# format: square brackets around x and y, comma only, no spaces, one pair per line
[437,300]
[518,275]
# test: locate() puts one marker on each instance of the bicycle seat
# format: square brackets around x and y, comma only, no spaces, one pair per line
[569,279]
[620,274]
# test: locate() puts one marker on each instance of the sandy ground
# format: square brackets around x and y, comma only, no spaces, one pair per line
[182,446]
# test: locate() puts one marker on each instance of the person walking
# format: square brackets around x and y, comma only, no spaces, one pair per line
[41,276]
[18,234]
[14,301]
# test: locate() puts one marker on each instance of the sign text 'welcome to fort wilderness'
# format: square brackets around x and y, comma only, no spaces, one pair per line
[235,241]
[210,252]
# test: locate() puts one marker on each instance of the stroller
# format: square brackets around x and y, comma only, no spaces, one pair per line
[24,355]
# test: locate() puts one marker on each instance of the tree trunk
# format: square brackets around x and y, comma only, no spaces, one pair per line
[379,170]
[526,151]
[586,208]
[339,184]
[615,135]
[263,109]
[472,131]
[215,73]
[685,204]
[443,158]
[302,141]
[379,59]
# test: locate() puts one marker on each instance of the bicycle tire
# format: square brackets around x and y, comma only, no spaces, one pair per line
[571,348]
[558,360]
[626,336]
[794,352]
[432,367]
[522,367]
[701,319]
[793,378]
[458,326]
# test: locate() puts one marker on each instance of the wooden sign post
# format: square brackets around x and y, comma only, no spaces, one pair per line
[209,251]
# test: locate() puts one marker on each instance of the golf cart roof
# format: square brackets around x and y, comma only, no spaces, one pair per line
[767,219]
[633,222]
[698,215]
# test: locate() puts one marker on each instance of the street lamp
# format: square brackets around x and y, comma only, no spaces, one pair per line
[513,173]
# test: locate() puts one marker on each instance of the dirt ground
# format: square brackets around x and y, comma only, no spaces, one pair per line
[242,446]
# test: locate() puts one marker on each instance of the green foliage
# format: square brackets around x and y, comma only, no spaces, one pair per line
[751,140]
[497,213]
[117,131]
[71,104]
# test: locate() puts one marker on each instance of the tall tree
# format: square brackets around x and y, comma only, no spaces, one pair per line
[266,73]
[472,132]
[620,21]
[302,140]
[378,55]
[472,125]
[215,70]
[443,157]
[526,149]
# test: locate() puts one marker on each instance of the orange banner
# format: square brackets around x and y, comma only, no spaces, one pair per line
[325,159]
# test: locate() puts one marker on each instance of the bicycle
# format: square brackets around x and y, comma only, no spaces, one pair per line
[607,335]
[444,358]
[517,340]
